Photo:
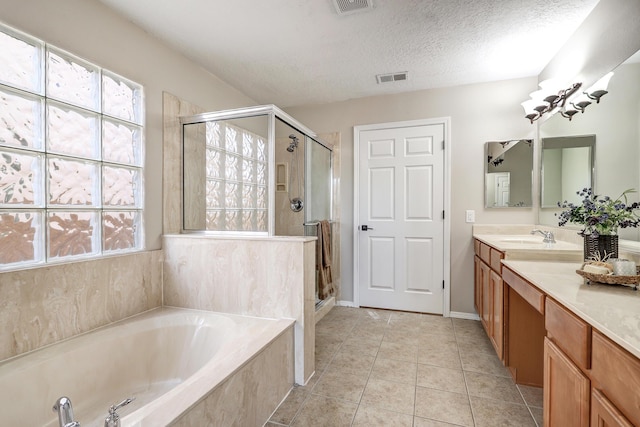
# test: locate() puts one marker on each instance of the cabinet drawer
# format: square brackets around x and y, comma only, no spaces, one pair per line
[525,289]
[485,253]
[496,257]
[570,333]
[616,373]
[476,247]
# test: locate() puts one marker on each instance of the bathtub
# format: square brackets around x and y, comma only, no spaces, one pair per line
[174,362]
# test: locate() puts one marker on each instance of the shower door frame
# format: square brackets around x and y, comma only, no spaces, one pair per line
[272,112]
[307,181]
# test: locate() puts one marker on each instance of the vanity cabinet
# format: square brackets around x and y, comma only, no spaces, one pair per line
[545,331]
[567,358]
[489,293]
[566,390]
[604,413]
[587,375]
[615,375]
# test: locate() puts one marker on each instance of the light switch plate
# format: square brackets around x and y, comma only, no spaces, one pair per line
[470,216]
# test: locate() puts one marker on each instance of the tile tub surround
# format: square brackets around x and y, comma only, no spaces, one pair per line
[612,310]
[251,395]
[272,277]
[172,109]
[43,305]
[385,368]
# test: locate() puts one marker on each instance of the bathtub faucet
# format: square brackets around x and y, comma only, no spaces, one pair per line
[113,420]
[65,412]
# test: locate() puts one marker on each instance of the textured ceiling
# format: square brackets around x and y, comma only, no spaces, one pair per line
[298,52]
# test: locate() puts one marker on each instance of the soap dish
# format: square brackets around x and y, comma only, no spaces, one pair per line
[611,279]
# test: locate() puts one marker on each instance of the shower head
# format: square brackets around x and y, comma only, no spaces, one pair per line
[293,144]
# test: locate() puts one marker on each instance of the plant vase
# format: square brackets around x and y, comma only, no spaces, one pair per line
[600,247]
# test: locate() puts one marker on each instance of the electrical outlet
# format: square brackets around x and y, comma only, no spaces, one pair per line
[470,216]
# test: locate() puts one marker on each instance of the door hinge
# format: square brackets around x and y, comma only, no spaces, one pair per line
[443,284]
[443,144]
[442,214]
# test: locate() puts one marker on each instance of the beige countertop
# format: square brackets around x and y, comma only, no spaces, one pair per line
[612,310]
[531,247]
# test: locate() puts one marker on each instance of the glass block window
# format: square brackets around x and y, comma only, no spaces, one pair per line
[71,156]
[236,179]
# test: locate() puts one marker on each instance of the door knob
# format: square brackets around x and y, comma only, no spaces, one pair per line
[365,228]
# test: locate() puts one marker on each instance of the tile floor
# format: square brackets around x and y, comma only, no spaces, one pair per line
[387,368]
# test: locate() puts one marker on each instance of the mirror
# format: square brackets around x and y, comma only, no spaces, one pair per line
[508,173]
[615,123]
[567,166]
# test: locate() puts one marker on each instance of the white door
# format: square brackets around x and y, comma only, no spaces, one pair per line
[503,180]
[399,215]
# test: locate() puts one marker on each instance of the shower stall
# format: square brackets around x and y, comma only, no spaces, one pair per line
[254,171]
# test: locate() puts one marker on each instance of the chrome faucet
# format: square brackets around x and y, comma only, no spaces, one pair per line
[548,235]
[113,419]
[65,412]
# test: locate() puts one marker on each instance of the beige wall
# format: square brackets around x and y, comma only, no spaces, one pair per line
[479,113]
[91,31]
[609,35]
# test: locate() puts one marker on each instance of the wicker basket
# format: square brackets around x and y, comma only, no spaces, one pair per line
[611,279]
[601,247]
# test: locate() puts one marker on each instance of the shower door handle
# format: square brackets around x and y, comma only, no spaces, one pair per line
[365,228]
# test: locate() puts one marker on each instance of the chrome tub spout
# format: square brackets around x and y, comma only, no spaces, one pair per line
[65,412]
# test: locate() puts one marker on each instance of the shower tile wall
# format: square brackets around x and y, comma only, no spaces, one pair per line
[41,306]
[288,222]
[173,107]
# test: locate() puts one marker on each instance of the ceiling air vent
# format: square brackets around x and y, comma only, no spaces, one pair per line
[346,7]
[393,77]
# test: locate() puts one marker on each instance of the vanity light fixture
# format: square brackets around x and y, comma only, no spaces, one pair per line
[544,100]
[567,101]
[599,89]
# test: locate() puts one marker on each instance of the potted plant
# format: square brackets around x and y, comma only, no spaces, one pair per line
[600,217]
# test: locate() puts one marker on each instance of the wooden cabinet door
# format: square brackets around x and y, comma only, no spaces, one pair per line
[487,298]
[604,413]
[477,285]
[566,390]
[497,319]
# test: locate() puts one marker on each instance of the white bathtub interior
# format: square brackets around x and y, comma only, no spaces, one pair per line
[152,357]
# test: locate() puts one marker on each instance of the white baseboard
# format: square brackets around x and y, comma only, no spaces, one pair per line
[346,304]
[461,315]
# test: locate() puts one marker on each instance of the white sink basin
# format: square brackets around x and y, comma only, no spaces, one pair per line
[525,240]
